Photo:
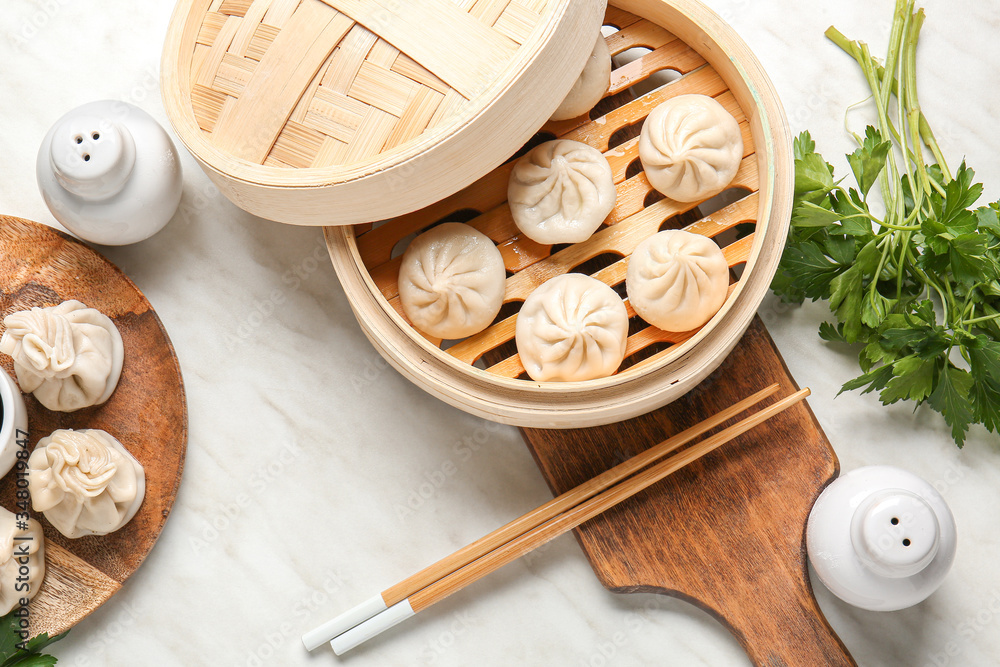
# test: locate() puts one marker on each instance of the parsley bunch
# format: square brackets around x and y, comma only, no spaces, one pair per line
[919,287]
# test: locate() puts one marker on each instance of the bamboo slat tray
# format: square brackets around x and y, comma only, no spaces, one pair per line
[313,111]
[147,413]
[682,36]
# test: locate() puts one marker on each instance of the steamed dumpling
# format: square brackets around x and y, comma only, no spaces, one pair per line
[27,544]
[85,482]
[677,280]
[561,192]
[573,327]
[588,90]
[451,281]
[690,148]
[69,356]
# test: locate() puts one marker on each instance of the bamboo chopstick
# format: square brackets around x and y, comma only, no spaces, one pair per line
[404,589]
[535,538]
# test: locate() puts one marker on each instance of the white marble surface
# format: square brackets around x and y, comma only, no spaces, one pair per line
[306,451]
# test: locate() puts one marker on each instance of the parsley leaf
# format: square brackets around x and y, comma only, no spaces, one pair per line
[984,358]
[807,214]
[960,194]
[802,145]
[810,269]
[813,177]
[951,399]
[868,161]
[913,378]
[831,333]
[874,380]
[986,404]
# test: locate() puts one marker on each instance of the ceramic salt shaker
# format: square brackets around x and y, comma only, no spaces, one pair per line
[109,173]
[881,538]
[13,422]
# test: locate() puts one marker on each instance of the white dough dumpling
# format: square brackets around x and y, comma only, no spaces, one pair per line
[690,148]
[561,191]
[677,280]
[69,356]
[588,90]
[22,560]
[451,281]
[85,482]
[572,328]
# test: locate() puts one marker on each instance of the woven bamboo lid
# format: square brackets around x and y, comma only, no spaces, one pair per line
[335,112]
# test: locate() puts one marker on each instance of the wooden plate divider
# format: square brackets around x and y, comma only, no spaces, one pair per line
[682,36]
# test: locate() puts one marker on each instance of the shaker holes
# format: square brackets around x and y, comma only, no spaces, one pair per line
[894,521]
[79,139]
[906,542]
[86,157]
[95,136]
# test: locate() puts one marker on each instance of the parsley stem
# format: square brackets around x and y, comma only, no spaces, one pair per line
[864,58]
[949,306]
[984,318]
[926,134]
[898,228]
[912,104]
[968,308]
[927,280]
[903,254]
[863,213]
[888,241]
[911,150]
[909,153]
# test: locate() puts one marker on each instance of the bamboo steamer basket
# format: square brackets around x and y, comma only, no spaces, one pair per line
[320,112]
[483,374]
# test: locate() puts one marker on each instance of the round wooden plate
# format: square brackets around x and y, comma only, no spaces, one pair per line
[147,413]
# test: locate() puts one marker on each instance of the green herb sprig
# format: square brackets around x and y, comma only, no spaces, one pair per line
[15,652]
[919,287]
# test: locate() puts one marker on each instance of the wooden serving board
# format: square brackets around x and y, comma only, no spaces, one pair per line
[727,533]
[147,413]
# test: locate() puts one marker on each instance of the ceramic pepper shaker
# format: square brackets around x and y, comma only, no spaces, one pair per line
[109,173]
[881,538]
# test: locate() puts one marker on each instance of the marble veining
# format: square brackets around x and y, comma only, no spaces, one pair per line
[316,475]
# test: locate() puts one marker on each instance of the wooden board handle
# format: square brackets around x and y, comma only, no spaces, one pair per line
[787,630]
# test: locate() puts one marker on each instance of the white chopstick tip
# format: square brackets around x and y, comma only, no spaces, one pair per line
[341,624]
[362,632]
